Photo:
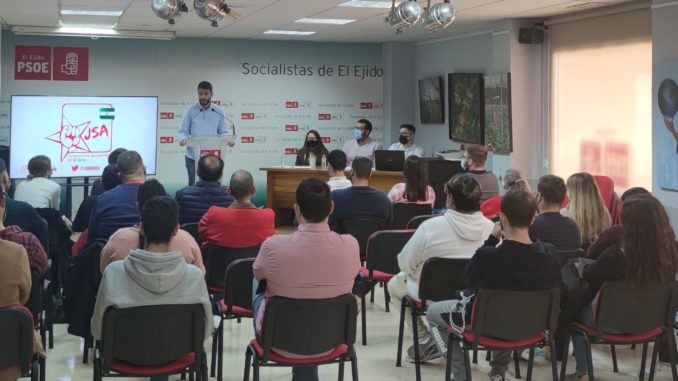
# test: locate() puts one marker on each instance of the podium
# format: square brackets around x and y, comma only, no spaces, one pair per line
[210,145]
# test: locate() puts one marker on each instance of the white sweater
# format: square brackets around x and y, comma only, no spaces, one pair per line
[453,235]
[39,193]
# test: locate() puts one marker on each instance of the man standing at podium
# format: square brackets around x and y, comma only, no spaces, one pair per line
[200,120]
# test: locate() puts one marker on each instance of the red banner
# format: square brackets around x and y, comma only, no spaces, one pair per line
[71,64]
[33,62]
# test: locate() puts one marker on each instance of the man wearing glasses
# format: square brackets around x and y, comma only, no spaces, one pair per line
[406,142]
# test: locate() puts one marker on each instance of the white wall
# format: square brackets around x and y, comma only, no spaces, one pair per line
[399,89]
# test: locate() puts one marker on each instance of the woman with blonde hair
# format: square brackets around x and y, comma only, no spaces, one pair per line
[514,180]
[586,207]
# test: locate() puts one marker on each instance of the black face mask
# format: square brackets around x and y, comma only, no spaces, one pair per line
[402,139]
[312,143]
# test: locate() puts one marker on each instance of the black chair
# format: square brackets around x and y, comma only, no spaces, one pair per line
[192,229]
[439,171]
[381,265]
[440,279]
[306,327]
[564,256]
[152,340]
[628,314]
[218,258]
[361,229]
[415,221]
[37,304]
[236,304]
[509,320]
[16,346]
[404,212]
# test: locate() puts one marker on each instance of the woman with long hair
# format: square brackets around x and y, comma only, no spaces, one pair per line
[514,180]
[648,254]
[415,189]
[312,151]
[586,207]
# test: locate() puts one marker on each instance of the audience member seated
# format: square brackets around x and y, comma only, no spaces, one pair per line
[109,180]
[456,234]
[330,261]
[39,190]
[612,236]
[194,200]
[549,225]
[98,186]
[359,200]
[514,180]
[361,144]
[586,208]
[313,150]
[415,189]
[36,253]
[21,213]
[154,275]
[647,255]
[406,142]
[125,240]
[517,264]
[336,165]
[475,157]
[242,224]
[15,289]
[117,207]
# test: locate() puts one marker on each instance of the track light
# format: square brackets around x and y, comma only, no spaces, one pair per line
[169,10]
[214,11]
[438,16]
[404,15]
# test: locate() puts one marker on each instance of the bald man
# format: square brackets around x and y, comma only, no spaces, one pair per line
[194,201]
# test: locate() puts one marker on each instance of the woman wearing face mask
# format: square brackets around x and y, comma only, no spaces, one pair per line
[312,151]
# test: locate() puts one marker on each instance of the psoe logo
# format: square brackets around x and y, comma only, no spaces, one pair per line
[247,139]
[325,139]
[291,151]
[247,116]
[366,105]
[291,127]
[324,116]
[291,104]
[166,115]
[85,128]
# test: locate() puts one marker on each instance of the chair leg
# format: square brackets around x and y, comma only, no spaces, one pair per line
[488,356]
[530,363]
[220,351]
[475,355]
[191,376]
[589,357]
[448,358]
[516,363]
[43,368]
[653,364]
[363,314]
[85,349]
[467,360]
[415,335]
[566,355]
[554,361]
[401,329]
[248,363]
[387,297]
[341,371]
[354,366]
[614,358]
[372,295]
[643,360]
[215,340]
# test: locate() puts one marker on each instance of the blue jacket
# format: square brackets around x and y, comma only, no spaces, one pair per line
[195,200]
[112,210]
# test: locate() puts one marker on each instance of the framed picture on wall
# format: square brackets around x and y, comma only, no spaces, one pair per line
[431,100]
[497,106]
[466,120]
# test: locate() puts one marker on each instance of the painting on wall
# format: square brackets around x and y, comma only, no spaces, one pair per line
[466,108]
[497,93]
[665,132]
[431,100]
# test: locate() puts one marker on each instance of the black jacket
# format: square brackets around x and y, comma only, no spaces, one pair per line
[195,200]
[318,158]
[80,289]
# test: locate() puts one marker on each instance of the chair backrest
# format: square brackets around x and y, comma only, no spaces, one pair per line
[16,331]
[360,228]
[151,335]
[192,229]
[44,233]
[441,278]
[610,197]
[624,308]
[415,221]
[218,258]
[238,284]
[309,326]
[403,213]
[439,172]
[383,247]
[564,256]
[34,303]
[515,315]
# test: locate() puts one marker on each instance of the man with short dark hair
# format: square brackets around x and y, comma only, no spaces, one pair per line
[359,200]
[361,144]
[330,261]
[549,225]
[194,201]
[406,142]
[117,208]
[241,224]
[336,164]
[475,157]
[517,264]
[97,185]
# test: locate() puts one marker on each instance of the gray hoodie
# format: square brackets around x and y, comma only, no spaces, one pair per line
[145,278]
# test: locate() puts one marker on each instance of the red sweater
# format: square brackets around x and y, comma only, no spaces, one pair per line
[491,207]
[236,227]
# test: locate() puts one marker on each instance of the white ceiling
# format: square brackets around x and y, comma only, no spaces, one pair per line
[262,15]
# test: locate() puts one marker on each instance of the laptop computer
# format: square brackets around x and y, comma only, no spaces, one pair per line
[385,160]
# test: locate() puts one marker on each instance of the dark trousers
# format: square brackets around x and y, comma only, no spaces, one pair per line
[190,168]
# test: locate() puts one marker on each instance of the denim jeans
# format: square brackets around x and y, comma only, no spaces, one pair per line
[190,168]
[578,342]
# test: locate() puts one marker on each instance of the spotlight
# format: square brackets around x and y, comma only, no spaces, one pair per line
[214,11]
[438,16]
[404,15]
[168,9]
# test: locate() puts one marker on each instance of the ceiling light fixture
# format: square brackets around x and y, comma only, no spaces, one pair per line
[290,32]
[404,15]
[324,21]
[214,11]
[367,4]
[91,32]
[169,10]
[439,16]
[78,12]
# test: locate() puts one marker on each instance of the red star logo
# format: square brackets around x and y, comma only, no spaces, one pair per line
[70,138]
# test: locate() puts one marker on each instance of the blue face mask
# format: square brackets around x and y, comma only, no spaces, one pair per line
[357,134]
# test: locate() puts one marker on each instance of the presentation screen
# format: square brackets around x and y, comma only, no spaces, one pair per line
[78,133]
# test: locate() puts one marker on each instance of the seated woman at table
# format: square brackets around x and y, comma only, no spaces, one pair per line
[312,151]
[415,189]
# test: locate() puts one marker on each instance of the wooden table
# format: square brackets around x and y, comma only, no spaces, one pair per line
[281,186]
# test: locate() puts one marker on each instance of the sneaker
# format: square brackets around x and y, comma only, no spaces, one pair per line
[427,352]
[497,377]
[539,353]
[575,377]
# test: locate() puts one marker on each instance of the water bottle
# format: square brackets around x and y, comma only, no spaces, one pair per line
[282,161]
[323,163]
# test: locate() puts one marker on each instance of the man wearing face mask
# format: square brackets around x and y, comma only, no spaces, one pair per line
[200,120]
[406,142]
[362,144]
